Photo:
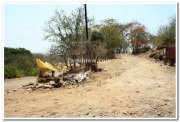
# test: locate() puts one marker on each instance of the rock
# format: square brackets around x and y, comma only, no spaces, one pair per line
[57,85]
[87,78]
[31,83]
[29,89]
[87,73]
[52,83]
[41,80]
[99,70]
[105,70]
[87,113]
[33,88]
[48,86]
[65,78]
[39,86]
[14,90]
[79,77]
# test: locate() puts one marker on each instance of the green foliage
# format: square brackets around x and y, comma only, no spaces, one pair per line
[167,33]
[68,33]
[19,62]
[110,22]
[97,36]
[111,36]
[112,39]
[12,72]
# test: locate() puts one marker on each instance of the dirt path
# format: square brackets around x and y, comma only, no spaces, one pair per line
[17,82]
[132,86]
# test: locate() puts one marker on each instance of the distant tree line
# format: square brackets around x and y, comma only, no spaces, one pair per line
[110,37]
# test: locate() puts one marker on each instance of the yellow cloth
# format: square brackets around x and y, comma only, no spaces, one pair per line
[64,67]
[45,65]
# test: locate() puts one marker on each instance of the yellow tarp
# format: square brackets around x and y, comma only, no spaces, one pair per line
[45,65]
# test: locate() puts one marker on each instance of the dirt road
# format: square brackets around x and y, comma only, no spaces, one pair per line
[17,82]
[131,86]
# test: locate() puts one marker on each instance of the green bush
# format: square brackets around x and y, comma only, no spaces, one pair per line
[19,62]
[12,72]
[32,71]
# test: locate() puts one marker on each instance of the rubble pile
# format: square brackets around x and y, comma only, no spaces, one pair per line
[34,86]
[156,54]
[49,83]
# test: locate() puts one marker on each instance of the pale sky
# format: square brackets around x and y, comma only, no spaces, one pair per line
[24,23]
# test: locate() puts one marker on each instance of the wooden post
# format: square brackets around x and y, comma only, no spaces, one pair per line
[86,21]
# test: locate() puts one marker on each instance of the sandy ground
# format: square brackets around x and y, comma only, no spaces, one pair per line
[14,84]
[132,86]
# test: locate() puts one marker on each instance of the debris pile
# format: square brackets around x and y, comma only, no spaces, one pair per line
[167,54]
[56,82]
[157,54]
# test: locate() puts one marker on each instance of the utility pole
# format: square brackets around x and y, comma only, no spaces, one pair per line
[86,21]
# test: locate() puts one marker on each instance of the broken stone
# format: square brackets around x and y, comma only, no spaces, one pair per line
[39,86]
[105,70]
[48,86]
[52,83]
[87,73]
[57,85]
[32,89]
[87,78]
[31,83]
[66,79]
[41,80]
[79,77]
